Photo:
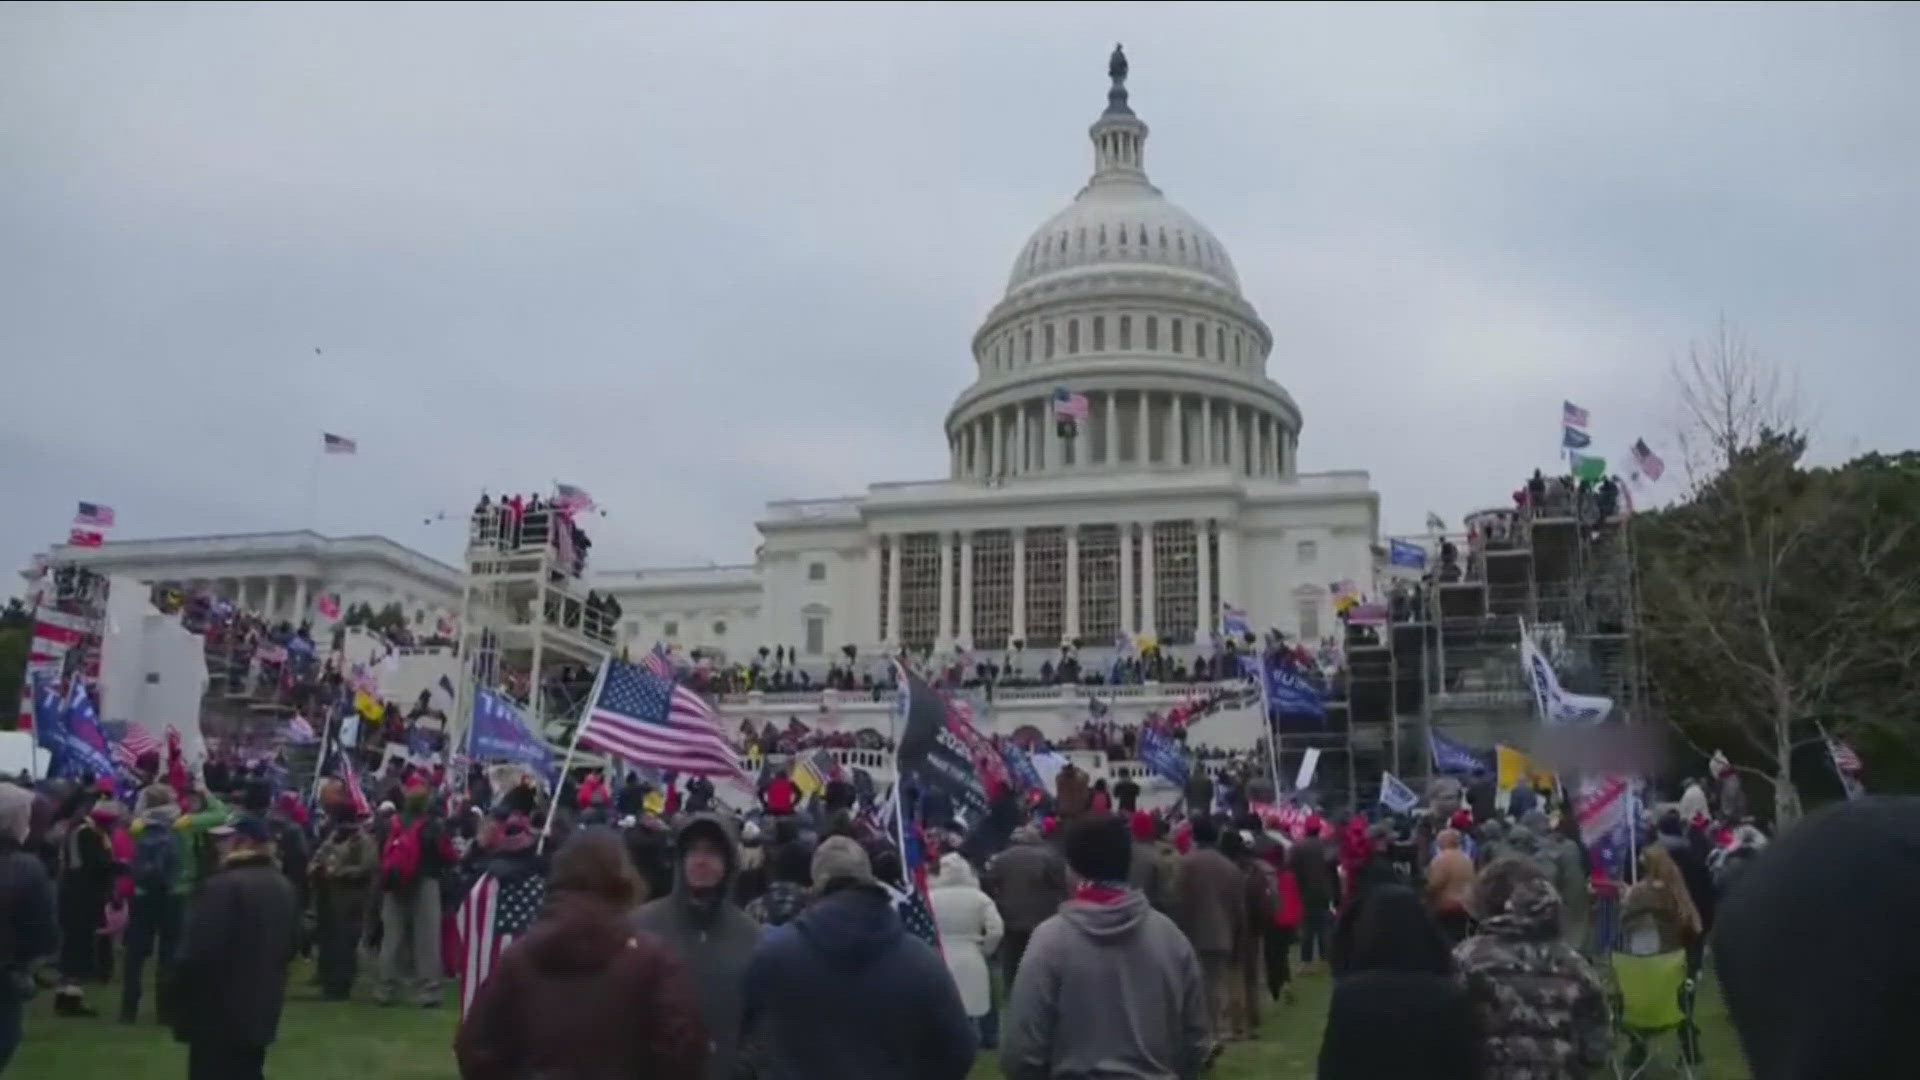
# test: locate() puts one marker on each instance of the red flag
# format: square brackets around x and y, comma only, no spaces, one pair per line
[85,538]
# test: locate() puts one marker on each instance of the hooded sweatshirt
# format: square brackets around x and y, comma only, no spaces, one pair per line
[1109,991]
[582,995]
[714,938]
[1541,1006]
[843,991]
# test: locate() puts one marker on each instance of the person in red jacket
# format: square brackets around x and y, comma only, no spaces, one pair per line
[780,795]
[593,790]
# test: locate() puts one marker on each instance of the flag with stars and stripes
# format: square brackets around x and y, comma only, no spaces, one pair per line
[639,717]
[492,916]
[133,742]
[659,661]
[910,899]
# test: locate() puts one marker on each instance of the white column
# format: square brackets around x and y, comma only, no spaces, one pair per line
[1026,432]
[1206,431]
[1057,446]
[1147,622]
[1207,619]
[1233,436]
[1293,454]
[1127,623]
[1019,585]
[996,458]
[1073,583]
[942,639]
[893,589]
[1113,430]
[1175,452]
[1143,425]
[273,597]
[1230,572]
[299,599]
[966,588]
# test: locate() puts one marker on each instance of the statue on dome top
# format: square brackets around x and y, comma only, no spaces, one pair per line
[1117,65]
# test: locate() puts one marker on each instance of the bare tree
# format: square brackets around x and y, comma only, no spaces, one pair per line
[1770,591]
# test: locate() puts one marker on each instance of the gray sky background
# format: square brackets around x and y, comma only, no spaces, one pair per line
[698,259]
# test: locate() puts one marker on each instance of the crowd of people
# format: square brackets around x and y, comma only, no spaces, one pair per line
[673,937]
[513,522]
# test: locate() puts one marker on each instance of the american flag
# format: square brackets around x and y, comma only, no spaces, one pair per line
[351,777]
[95,515]
[328,605]
[640,717]
[658,661]
[136,740]
[910,902]
[338,444]
[570,499]
[489,919]
[1845,757]
[1647,461]
[1068,405]
[1572,415]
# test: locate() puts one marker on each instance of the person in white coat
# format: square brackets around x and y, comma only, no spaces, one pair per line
[970,927]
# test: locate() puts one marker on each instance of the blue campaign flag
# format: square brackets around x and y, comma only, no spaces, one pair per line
[70,730]
[1292,694]
[1572,438]
[1233,620]
[1455,757]
[500,733]
[1405,553]
[1395,795]
[1020,767]
[1165,757]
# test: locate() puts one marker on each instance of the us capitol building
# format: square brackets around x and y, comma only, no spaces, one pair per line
[1178,493]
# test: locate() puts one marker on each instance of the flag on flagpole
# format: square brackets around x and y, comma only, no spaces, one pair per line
[658,660]
[488,920]
[568,498]
[1068,405]
[85,538]
[1233,620]
[133,742]
[1572,438]
[350,776]
[338,444]
[1572,415]
[1395,795]
[328,605]
[94,515]
[1436,523]
[1646,461]
[1587,467]
[640,717]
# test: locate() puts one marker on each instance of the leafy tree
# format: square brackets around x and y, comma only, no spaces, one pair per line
[1780,603]
[16,639]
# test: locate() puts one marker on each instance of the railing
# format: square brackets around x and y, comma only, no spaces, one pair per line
[1050,692]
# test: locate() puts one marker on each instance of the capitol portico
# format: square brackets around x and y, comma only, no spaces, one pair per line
[1179,492]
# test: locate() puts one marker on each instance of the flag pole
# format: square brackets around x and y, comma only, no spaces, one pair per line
[1273,729]
[579,728]
[320,763]
[903,703]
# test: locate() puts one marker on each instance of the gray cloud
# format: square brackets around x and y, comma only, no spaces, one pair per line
[697,259]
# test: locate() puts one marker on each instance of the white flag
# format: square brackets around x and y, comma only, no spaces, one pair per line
[1395,795]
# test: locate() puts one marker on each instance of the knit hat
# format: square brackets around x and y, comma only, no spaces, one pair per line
[840,858]
[156,795]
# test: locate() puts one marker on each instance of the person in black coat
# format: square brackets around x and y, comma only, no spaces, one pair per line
[230,976]
[1398,1010]
[29,930]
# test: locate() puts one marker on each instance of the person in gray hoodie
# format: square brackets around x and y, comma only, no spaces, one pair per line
[712,937]
[1067,1017]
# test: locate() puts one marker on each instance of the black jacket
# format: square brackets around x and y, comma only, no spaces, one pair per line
[28,929]
[1399,1024]
[844,991]
[230,974]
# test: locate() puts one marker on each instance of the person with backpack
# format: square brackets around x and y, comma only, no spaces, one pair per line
[414,852]
[153,918]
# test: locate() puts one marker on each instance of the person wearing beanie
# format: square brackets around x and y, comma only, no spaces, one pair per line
[903,1014]
[31,927]
[342,872]
[1064,1016]
[1155,867]
[230,978]
[791,868]
[1028,881]
[1816,952]
[415,851]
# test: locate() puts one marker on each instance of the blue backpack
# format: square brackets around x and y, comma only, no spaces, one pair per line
[156,861]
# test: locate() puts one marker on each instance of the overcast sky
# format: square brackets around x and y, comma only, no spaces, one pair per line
[698,259]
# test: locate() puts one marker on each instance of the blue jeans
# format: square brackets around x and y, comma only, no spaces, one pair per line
[153,921]
[12,1010]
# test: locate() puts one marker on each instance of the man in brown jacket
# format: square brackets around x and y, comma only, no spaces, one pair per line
[1213,913]
[1028,882]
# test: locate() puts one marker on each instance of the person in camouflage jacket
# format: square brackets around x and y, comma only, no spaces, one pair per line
[1540,1004]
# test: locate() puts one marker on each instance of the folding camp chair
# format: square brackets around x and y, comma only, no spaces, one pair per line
[1656,998]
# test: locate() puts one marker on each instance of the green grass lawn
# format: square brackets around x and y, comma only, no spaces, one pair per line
[322,1040]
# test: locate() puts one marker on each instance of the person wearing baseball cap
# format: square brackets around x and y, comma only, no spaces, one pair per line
[230,975]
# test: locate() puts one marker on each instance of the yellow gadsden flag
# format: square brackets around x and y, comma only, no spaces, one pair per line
[1514,766]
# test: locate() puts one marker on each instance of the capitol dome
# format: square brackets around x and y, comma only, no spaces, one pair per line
[1126,300]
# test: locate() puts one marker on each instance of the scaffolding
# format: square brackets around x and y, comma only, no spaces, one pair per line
[528,625]
[1561,570]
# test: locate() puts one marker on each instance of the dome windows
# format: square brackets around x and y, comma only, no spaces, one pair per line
[1126,331]
[1099,333]
[1047,332]
[1073,336]
[1220,342]
[1173,334]
[1153,332]
[1200,340]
